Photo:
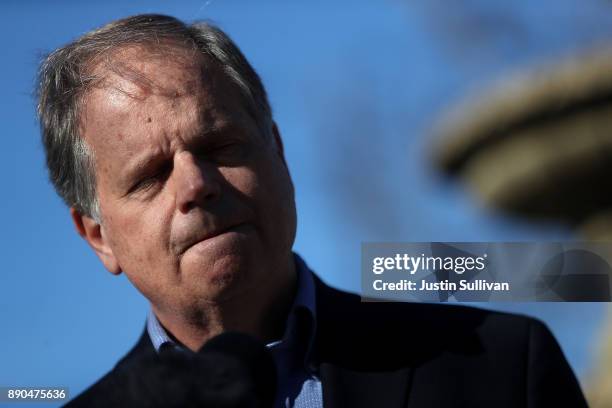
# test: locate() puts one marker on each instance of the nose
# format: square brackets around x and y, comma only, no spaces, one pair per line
[196,181]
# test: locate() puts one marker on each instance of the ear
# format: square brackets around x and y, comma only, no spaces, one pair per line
[92,232]
[279,143]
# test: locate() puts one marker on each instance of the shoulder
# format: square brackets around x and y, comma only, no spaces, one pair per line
[502,354]
[352,308]
[396,328]
[103,393]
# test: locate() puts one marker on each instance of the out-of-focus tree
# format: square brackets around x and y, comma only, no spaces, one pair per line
[540,146]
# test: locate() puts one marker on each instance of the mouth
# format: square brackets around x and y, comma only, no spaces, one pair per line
[241,227]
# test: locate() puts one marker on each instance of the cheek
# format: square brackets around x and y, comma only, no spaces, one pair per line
[267,189]
[139,246]
[243,182]
[138,240]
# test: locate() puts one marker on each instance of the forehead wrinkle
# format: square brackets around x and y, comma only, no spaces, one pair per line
[144,86]
[134,76]
[121,64]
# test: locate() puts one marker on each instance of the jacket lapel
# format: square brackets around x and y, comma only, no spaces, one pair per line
[348,351]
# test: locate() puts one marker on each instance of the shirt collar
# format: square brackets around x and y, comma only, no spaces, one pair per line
[303,305]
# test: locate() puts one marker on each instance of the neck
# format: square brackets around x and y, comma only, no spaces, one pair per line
[260,313]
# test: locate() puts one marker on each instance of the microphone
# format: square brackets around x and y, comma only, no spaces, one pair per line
[254,356]
[231,370]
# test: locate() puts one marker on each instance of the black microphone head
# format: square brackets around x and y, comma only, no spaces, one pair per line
[231,371]
[253,356]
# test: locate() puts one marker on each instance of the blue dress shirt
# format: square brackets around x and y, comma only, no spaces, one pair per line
[298,385]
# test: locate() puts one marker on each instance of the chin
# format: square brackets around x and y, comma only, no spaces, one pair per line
[228,276]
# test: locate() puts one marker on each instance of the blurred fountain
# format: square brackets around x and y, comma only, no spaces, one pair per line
[539,146]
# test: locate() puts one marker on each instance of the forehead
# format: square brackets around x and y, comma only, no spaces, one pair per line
[147,79]
[140,71]
[146,98]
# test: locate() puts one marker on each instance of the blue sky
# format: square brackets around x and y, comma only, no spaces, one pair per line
[355,86]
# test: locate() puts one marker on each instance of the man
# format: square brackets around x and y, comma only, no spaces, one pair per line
[160,139]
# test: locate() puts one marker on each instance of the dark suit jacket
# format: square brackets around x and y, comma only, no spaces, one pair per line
[422,355]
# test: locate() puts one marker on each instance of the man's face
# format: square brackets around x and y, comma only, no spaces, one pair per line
[196,203]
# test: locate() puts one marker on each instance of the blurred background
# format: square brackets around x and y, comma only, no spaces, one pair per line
[471,120]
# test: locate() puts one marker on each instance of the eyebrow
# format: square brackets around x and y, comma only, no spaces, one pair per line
[150,157]
[138,165]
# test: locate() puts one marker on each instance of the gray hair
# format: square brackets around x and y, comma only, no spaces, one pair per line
[65,75]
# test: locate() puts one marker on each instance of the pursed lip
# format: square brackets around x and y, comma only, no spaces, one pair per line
[212,234]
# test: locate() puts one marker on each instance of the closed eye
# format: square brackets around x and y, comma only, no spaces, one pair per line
[230,153]
[150,181]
